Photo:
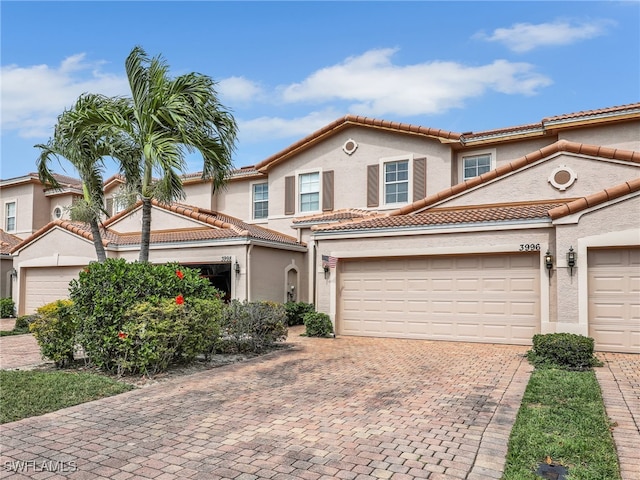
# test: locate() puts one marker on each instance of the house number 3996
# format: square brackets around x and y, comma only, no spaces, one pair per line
[529,247]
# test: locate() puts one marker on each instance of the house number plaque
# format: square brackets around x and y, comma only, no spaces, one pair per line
[529,247]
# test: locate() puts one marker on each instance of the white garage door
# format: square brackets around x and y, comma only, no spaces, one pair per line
[614,299]
[479,298]
[43,285]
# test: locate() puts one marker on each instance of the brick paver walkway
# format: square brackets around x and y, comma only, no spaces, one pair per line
[352,408]
[619,381]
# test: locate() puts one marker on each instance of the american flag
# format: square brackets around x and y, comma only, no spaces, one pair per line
[328,261]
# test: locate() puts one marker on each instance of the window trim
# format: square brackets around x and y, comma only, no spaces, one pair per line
[383,183]
[253,201]
[13,201]
[300,173]
[476,153]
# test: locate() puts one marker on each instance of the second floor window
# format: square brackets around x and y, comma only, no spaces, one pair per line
[396,181]
[10,216]
[309,192]
[475,165]
[260,200]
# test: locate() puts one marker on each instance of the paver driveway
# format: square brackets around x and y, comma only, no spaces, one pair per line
[328,408]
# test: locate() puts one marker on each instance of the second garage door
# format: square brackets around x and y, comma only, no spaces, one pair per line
[614,299]
[481,298]
[43,285]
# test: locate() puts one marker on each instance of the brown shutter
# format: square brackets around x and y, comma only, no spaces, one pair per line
[327,191]
[109,206]
[373,185]
[419,178]
[289,195]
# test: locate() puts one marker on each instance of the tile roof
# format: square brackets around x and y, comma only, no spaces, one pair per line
[489,214]
[7,242]
[554,122]
[348,121]
[597,198]
[558,147]
[336,215]
[217,227]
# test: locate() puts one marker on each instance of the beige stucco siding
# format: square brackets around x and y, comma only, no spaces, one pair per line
[28,212]
[622,135]
[269,277]
[532,183]
[235,199]
[160,220]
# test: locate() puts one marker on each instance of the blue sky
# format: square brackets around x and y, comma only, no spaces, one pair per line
[286,69]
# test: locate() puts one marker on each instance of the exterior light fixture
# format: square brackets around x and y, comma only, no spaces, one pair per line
[571,259]
[548,260]
[13,272]
[236,267]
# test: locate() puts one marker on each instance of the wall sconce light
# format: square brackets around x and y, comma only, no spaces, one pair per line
[571,259]
[548,260]
[236,267]
[326,270]
[13,272]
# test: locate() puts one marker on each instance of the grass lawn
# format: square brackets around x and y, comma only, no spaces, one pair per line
[562,417]
[29,393]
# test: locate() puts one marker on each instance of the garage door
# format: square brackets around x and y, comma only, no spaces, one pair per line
[614,299]
[43,285]
[492,298]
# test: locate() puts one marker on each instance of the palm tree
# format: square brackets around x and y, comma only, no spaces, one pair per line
[165,119]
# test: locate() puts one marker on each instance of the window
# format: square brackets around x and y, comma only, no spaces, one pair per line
[475,165]
[396,181]
[10,216]
[309,192]
[57,213]
[260,200]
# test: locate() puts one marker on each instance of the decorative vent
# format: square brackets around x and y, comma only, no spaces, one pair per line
[562,177]
[350,146]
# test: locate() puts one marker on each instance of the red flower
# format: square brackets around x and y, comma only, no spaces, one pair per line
[122,335]
[179,299]
[86,270]
[179,274]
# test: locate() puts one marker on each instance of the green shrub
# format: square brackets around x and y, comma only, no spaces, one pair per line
[105,292]
[7,308]
[317,324]
[23,322]
[563,350]
[156,335]
[54,328]
[252,326]
[296,311]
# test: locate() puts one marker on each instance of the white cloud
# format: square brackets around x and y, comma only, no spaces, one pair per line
[375,86]
[34,96]
[523,37]
[238,89]
[269,128]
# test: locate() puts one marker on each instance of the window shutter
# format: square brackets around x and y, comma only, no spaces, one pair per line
[373,185]
[110,206]
[327,191]
[289,195]
[419,178]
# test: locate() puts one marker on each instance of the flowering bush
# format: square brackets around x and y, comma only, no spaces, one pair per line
[54,328]
[156,335]
[252,326]
[106,292]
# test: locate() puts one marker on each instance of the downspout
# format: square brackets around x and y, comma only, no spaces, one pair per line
[247,271]
[314,288]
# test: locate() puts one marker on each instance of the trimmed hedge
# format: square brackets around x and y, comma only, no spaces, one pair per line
[317,324]
[563,350]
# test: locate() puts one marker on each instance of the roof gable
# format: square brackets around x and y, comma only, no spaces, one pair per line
[563,146]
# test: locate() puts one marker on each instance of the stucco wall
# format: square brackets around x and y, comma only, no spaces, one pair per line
[268,272]
[620,135]
[531,184]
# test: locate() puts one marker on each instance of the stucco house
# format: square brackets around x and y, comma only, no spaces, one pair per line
[408,231]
